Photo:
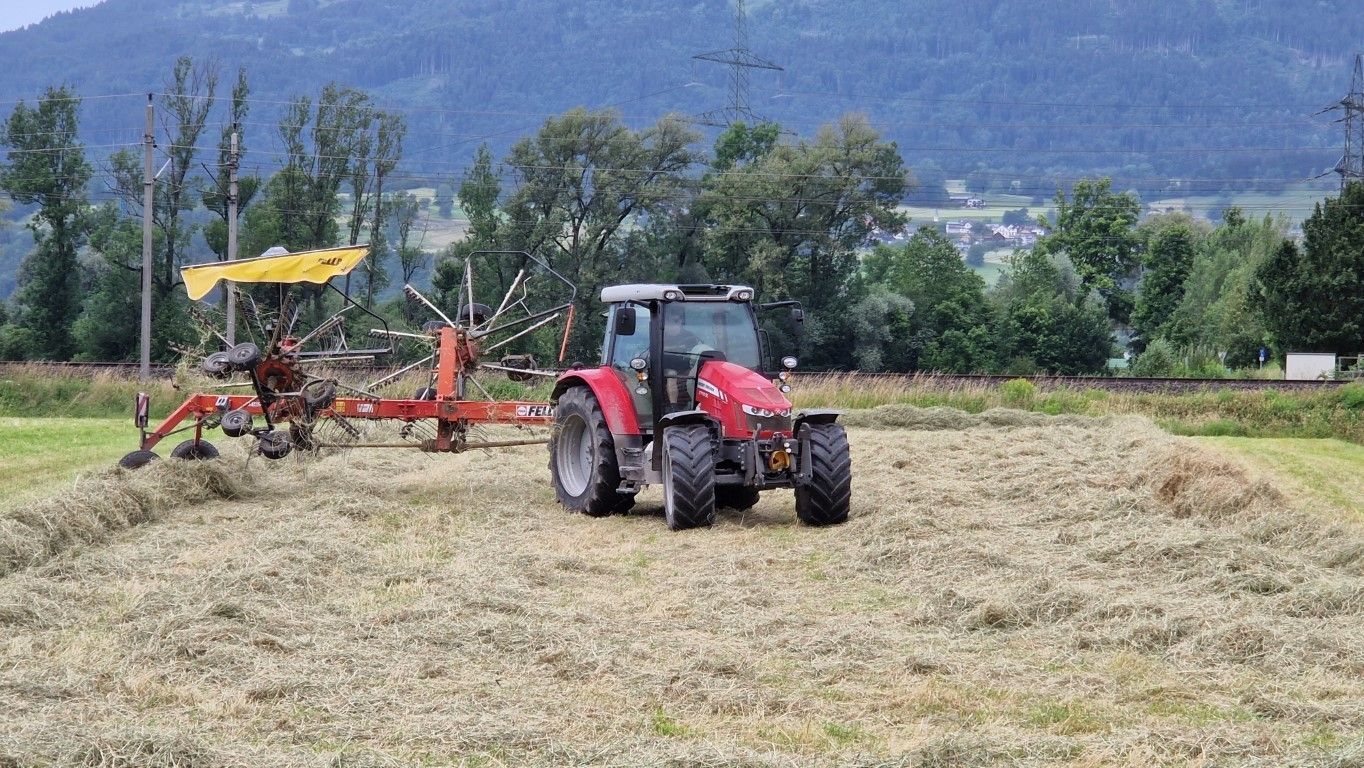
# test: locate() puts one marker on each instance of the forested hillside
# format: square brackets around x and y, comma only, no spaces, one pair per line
[1219,92]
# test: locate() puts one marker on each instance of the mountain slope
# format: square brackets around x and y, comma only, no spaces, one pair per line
[1190,88]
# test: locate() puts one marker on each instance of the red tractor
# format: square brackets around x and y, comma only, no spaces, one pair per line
[679,400]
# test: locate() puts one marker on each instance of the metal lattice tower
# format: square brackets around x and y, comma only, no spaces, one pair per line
[1351,165]
[740,60]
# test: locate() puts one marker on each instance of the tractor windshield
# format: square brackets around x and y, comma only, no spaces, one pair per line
[690,328]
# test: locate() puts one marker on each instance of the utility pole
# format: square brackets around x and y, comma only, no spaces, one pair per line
[148,200]
[740,60]
[232,236]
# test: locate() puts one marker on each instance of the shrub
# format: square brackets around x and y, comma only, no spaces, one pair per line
[1159,359]
[1017,392]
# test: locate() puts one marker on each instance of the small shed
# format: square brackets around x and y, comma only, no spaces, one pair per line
[1309,366]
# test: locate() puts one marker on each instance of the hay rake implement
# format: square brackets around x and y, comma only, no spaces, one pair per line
[295,399]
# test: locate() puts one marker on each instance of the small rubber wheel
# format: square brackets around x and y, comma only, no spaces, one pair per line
[244,356]
[218,365]
[195,450]
[525,362]
[476,314]
[138,459]
[688,477]
[319,394]
[425,393]
[275,445]
[738,497]
[236,423]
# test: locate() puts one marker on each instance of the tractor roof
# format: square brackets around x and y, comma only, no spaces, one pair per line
[673,292]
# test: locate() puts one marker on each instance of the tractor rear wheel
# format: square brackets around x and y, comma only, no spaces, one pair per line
[194,450]
[738,497]
[825,499]
[688,477]
[582,457]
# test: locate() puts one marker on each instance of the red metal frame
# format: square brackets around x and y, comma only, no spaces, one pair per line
[455,356]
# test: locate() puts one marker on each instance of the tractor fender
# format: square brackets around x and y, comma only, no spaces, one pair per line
[685,417]
[616,403]
[689,417]
[814,416]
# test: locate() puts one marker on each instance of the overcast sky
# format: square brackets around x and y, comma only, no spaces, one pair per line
[17,13]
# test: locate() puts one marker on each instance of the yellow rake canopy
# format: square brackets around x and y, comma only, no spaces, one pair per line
[303,267]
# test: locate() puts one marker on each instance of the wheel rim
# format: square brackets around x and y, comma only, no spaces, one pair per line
[575,455]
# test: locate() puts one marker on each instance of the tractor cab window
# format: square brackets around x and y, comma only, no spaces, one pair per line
[691,328]
[627,346]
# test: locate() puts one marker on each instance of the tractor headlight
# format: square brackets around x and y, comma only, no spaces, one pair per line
[789,362]
[785,388]
[754,411]
[639,364]
[744,295]
[671,295]
[641,390]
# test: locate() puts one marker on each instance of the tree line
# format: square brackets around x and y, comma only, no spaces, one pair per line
[603,202]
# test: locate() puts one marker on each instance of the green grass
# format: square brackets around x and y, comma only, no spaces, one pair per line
[39,453]
[1336,412]
[1331,471]
[29,391]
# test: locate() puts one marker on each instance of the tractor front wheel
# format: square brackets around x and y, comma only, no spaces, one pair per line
[582,457]
[688,477]
[825,499]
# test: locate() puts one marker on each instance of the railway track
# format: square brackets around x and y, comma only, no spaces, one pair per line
[927,380]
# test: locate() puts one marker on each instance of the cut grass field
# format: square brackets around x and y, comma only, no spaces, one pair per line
[1011,589]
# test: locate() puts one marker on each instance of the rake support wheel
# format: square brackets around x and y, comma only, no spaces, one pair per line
[137,459]
[688,476]
[582,457]
[826,497]
[194,450]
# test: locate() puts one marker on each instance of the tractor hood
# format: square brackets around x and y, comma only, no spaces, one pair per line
[743,401]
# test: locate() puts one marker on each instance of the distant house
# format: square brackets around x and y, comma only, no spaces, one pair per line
[974,202]
[958,228]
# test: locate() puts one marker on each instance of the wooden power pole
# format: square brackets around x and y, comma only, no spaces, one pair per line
[148,200]
[232,236]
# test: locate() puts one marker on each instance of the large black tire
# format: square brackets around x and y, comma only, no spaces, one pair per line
[688,477]
[826,498]
[738,497]
[582,457]
[194,450]
[137,459]
[425,393]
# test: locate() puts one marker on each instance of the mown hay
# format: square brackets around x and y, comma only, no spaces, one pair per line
[95,507]
[1014,591]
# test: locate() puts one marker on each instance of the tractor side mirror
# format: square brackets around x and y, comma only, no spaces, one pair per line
[797,315]
[625,321]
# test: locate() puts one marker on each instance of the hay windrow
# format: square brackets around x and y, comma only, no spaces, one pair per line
[1010,591]
[95,507]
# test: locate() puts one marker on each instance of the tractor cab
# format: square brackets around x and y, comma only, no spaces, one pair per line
[682,399]
[658,338]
